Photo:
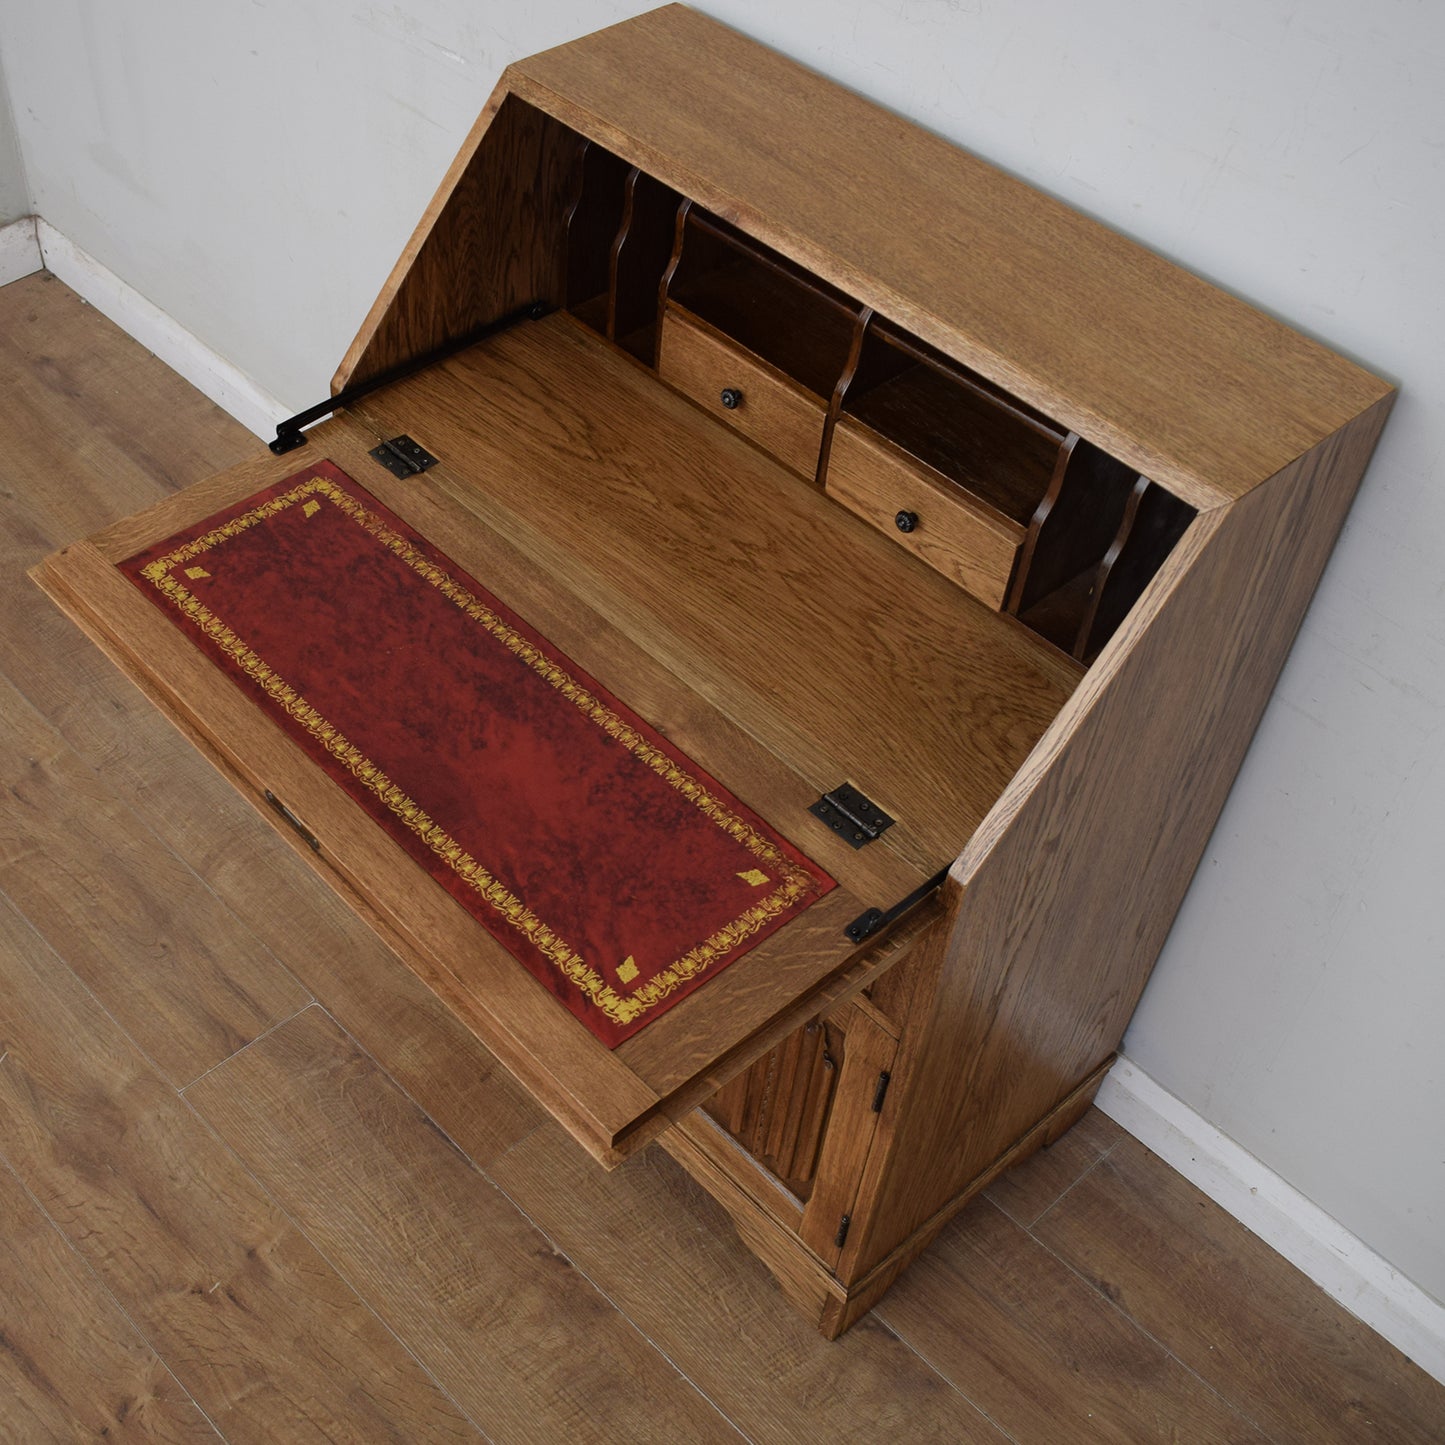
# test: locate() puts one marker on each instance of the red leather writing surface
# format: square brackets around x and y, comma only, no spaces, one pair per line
[614,869]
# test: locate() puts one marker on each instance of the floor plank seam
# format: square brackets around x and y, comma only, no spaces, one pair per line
[236,1053]
[326,1259]
[98,451]
[582,1274]
[1235,1406]
[472,1164]
[1054,1203]
[412,1100]
[879,1314]
[126,798]
[101,1286]
[90,993]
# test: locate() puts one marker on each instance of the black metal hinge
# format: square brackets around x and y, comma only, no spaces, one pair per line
[852,816]
[841,1238]
[881,1092]
[290,433]
[871,920]
[403,457]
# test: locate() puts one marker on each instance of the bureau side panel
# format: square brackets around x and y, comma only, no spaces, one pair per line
[490,241]
[1071,885]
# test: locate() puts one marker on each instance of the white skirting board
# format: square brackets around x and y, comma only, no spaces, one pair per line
[1319,1246]
[230,388]
[1315,1243]
[19,250]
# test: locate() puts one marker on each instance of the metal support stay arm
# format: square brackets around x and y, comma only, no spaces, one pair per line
[290,433]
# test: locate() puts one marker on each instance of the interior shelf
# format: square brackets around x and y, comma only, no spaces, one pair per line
[1000,454]
[794,325]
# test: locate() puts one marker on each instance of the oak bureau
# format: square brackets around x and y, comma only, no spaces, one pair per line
[957,537]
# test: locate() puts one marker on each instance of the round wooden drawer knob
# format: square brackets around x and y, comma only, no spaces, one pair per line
[732,398]
[906,521]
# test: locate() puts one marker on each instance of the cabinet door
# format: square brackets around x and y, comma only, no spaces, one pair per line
[852,1123]
[806,1113]
[778,1110]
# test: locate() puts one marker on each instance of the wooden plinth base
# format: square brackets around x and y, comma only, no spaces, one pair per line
[766,1217]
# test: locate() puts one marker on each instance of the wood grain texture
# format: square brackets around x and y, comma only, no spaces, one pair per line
[1234,1311]
[774,1377]
[711,1041]
[110,414]
[257,1327]
[877,480]
[1005,1320]
[703,1137]
[766,1226]
[1074,524]
[1106,823]
[776,413]
[615,1101]
[126,909]
[957,253]
[71,1365]
[1031,1189]
[955,425]
[601,186]
[275,899]
[92,463]
[170,962]
[772,310]
[492,240]
[776,1111]
[438,506]
[851,1127]
[867,1276]
[503,1322]
[599,1097]
[740,578]
[639,258]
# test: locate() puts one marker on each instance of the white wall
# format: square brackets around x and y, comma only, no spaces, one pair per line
[14,193]
[254,168]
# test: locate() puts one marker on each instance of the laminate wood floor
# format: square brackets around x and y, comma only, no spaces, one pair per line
[254,1183]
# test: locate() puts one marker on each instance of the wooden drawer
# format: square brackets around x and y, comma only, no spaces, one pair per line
[951,531]
[772,410]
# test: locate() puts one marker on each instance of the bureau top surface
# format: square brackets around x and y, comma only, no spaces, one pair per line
[1192,386]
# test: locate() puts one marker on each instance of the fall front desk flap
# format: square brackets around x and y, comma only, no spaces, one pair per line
[609,865]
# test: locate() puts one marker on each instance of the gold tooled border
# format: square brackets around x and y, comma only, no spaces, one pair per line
[796,882]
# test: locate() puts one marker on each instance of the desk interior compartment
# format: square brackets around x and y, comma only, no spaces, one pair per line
[620,232]
[754,339]
[938,458]
[1099,536]
[1030,518]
